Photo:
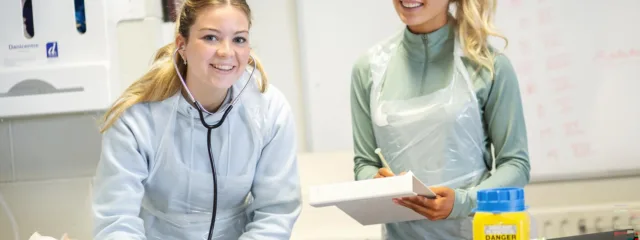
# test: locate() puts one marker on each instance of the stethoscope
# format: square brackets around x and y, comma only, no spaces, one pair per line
[210,127]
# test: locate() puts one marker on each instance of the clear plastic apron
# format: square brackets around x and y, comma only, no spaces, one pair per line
[178,201]
[438,136]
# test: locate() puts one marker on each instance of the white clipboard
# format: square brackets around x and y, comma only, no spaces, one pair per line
[371,201]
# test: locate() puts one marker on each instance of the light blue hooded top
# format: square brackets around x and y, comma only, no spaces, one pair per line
[154,178]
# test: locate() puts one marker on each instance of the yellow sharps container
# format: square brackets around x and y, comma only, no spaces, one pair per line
[501,214]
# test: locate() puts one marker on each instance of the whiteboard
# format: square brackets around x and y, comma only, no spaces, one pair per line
[332,34]
[578,64]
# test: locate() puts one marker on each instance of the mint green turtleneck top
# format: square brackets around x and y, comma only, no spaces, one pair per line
[423,64]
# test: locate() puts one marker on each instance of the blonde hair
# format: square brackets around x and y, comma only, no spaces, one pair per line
[474,22]
[162,81]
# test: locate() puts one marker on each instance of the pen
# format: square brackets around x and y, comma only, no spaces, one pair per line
[384,162]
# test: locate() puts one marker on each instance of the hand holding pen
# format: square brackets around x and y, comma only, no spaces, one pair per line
[385,171]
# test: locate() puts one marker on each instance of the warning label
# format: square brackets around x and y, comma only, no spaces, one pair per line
[501,232]
[501,237]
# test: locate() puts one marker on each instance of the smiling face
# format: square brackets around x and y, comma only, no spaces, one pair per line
[217,49]
[422,15]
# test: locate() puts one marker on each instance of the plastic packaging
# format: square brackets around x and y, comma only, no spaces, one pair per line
[501,215]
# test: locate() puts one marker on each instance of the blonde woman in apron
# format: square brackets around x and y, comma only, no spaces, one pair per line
[434,98]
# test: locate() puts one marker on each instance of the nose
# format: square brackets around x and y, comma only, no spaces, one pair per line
[224,49]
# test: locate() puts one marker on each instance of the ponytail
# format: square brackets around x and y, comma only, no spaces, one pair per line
[159,83]
[474,21]
[263,82]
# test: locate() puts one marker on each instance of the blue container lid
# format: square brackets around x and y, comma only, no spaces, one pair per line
[501,200]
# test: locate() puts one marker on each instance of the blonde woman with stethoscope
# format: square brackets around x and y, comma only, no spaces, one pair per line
[434,98]
[201,146]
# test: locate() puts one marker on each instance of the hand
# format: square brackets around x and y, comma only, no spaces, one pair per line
[385,172]
[433,209]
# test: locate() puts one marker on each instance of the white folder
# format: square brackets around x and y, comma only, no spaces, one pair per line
[371,201]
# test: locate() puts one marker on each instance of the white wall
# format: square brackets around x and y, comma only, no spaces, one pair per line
[274,38]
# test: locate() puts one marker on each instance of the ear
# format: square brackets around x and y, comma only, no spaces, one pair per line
[181,44]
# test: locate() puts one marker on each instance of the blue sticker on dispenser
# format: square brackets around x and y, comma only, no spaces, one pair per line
[52,49]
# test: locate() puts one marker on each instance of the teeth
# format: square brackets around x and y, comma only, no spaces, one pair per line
[223,67]
[410,5]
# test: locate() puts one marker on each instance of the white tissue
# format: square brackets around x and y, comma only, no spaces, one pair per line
[37,236]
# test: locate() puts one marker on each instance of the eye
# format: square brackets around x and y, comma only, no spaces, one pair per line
[240,40]
[210,38]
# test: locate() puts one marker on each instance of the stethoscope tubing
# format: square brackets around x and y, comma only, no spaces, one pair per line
[210,127]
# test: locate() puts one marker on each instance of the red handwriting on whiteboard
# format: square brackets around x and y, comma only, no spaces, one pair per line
[515,3]
[620,54]
[525,47]
[525,67]
[531,88]
[545,16]
[558,61]
[572,128]
[541,111]
[565,105]
[545,134]
[551,41]
[581,149]
[524,23]
[562,83]
[552,154]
